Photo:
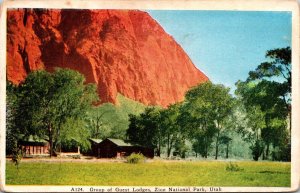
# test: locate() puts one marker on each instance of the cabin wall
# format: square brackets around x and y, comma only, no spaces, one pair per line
[33,149]
[94,148]
[108,149]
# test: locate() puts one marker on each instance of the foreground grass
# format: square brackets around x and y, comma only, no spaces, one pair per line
[204,173]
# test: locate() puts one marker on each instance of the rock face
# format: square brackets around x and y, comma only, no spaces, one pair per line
[121,51]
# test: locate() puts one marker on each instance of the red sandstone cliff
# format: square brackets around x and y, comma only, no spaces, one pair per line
[124,52]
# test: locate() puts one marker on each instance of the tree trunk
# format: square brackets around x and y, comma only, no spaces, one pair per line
[58,136]
[217,145]
[205,148]
[50,139]
[263,154]
[158,150]
[198,150]
[267,151]
[168,146]
[290,133]
[159,142]
[227,147]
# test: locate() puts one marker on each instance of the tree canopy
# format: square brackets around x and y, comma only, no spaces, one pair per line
[47,100]
[266,96]
[60,107]
[208,105]
[145,129]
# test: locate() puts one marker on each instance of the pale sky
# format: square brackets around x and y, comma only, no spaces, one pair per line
[226,45]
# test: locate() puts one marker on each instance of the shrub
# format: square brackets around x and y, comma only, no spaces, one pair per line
[16,155]
[233,167]
[135,158]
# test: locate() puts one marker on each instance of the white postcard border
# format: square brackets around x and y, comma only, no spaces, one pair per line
[237,5]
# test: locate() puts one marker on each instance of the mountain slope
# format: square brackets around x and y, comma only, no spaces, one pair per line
[122,51]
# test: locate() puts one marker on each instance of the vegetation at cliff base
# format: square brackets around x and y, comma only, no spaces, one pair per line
[60,107]
[210,123]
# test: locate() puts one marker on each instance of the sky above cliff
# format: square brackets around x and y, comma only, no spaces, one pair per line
[226,45]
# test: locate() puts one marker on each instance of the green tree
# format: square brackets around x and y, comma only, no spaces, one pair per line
[145,129]
[279,65]
[203,139]
[267,92]
[109,120]
[74,133]
[278,71]
[207,106]
[170,127]
[47,100]
[98,121]
[250,123]
[12,134]
[180,146]
[224,139]
[11,131]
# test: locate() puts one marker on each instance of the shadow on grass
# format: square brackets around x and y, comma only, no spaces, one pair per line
[273,172]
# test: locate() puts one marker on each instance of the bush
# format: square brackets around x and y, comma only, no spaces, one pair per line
[233,167]
[135,158]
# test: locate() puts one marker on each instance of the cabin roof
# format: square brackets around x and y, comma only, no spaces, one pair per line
[119,142]
[96,140]
[33,138]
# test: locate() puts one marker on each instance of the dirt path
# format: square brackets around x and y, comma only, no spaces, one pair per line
[57,159]
[91,159]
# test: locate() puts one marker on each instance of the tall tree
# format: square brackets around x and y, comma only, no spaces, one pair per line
[278,70]
[170,127]
[47,100]
[250,123]
[11,131]
[268,89]
[224,139]
[97,121]
[145,129]
[208,105]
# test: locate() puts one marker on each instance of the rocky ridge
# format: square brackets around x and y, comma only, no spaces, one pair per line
[121,51]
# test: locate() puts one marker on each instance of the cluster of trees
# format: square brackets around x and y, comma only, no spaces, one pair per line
[59,107]
[202,118]
[45,104]
[260,113]
[109,120]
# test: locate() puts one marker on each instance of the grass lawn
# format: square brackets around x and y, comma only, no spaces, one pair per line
[202,173]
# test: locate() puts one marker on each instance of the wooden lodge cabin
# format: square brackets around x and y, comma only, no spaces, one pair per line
[34,146]
[117,148]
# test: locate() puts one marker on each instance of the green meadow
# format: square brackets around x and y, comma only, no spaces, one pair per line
[157,173]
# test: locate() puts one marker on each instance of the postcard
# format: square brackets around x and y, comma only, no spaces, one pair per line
[150,96]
